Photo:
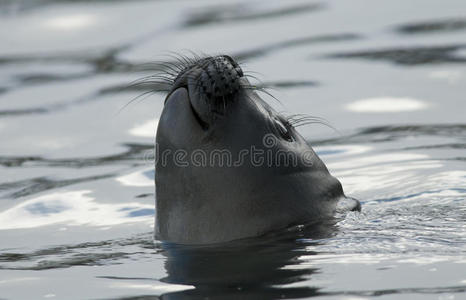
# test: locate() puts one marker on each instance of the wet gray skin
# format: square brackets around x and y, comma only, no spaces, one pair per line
[219,174]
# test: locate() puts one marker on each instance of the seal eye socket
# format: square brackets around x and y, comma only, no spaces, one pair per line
[283,130]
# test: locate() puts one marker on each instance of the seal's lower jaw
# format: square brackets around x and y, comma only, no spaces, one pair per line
[179,116]
[200,114]
[199,111]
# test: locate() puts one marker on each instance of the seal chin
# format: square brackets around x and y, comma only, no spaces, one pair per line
[182,92]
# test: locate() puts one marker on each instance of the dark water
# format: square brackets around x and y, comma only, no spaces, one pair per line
[76,179]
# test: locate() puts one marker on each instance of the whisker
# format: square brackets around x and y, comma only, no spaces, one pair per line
[298,120]
[145,94]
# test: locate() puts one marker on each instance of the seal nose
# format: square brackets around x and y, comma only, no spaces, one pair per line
[220,77]
[213,84]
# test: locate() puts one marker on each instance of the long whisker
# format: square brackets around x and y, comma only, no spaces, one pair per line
[145,95]
[298,120]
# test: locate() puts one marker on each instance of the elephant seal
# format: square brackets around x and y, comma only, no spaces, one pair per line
[227,165]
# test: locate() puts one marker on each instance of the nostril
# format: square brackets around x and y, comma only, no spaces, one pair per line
[219,79]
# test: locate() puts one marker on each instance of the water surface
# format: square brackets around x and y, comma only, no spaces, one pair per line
[76,176]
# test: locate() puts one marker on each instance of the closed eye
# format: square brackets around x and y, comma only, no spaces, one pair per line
[283,129]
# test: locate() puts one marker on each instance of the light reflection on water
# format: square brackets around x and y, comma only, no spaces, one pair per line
[139,178]
[71,22]
[386,104]
[146,129]
[72,209]
[77,185]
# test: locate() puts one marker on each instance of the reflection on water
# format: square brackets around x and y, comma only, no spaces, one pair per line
[71,209]
[138,178]
[71,22]
[433,26]
[146,129]
[241,12]
[386,104]
[76,158]
[412,55]
[264,50]
[248,269]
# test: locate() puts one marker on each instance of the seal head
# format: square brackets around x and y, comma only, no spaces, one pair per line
[228,166]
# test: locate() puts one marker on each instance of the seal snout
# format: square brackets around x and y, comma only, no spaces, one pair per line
[213,83]
[219,78]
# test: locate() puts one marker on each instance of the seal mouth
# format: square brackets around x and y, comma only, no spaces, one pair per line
[204,125]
